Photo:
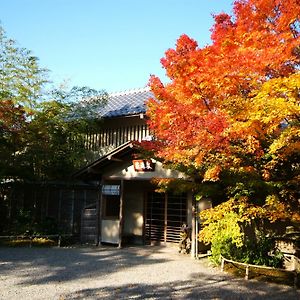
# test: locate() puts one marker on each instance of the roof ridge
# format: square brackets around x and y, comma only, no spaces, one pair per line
[129,92]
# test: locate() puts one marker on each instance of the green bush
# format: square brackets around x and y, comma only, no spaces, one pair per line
[25,223]
[235,230]
[257,251]
[225,247]
[47,226]
[262,252]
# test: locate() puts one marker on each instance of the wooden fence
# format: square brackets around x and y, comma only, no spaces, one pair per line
[61,202]
[250,266]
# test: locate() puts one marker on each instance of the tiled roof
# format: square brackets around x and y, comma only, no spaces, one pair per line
[126,103]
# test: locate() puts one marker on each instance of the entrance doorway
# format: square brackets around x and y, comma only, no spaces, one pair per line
[110,219]
[165,214]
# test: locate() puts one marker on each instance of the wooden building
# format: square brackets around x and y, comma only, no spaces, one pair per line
[122,120]
[127,208]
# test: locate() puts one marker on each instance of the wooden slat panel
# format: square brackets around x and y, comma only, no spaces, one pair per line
[165,218]
[88,225]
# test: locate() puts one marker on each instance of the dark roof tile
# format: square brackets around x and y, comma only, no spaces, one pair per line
[126,103]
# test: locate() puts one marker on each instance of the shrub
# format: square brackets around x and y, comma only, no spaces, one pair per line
[224,228]
[25,223]
[220,228]
[261,251]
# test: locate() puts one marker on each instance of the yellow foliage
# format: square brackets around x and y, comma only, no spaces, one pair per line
[212,174]
[226,218]
[276,100]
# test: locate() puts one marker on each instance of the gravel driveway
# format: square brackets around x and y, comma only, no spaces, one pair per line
[128,273]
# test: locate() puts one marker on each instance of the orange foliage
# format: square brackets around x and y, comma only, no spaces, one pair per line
[207,112]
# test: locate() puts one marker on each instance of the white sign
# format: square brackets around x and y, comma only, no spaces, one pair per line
[111,189]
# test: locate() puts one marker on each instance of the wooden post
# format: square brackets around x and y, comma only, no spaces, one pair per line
[247,272]
[47,200]
[196,229]
[59,207]
[166,218]
[72,210]
[84,198]
[98,214]
[222,264]
[121,213]
[35,202]
[42,204]
[144,217]
[194,237]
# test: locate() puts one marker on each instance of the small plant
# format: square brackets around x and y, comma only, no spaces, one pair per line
[37,242]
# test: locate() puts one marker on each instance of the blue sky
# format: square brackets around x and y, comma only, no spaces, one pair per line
[106,44]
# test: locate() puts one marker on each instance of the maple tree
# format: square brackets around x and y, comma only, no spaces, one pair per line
[230,115]
[211,96]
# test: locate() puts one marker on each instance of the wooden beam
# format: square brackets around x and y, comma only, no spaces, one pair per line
[193,233]
[97,221]
[110,157]
[91,170]
[145,200]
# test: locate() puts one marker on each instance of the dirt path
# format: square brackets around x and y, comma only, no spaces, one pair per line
[129,273]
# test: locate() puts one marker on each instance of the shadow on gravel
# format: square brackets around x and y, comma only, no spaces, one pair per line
[201,287]
[45,265]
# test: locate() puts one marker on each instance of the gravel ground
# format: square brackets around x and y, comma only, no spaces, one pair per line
[128,273]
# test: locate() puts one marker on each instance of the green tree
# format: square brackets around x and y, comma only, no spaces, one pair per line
[41,128]
[21,78]
[61,125]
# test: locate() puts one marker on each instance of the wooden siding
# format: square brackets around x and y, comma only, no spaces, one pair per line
[115,136]
[88,225]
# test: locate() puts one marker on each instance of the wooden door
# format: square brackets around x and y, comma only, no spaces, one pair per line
[165,214]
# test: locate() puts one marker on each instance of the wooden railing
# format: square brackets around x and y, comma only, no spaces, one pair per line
[248,266]
[115,136]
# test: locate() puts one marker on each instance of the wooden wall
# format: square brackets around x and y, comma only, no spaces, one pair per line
[116,131]
[115,136]
[88,232]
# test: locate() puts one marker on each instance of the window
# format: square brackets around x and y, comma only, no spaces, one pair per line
[111,206]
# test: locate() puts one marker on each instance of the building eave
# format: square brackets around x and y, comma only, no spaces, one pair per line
[94,169]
